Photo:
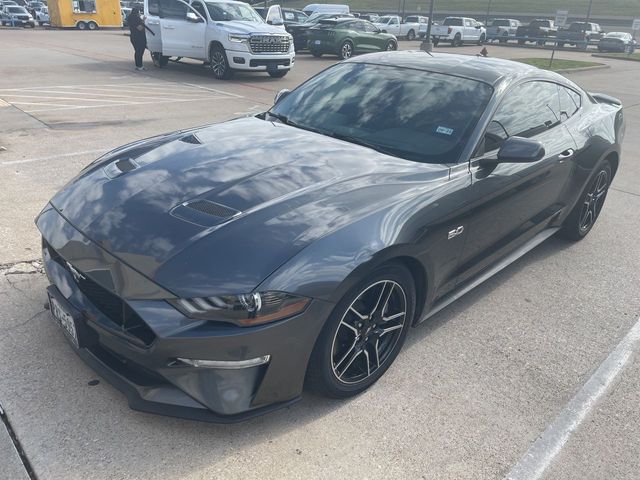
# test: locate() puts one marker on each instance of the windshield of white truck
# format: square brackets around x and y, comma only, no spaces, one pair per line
[226,12]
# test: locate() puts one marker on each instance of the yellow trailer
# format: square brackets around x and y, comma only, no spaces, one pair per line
[85,14]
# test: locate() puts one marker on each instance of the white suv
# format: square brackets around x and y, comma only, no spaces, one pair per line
[227,35]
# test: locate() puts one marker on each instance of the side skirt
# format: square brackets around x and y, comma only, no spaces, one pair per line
[502,264]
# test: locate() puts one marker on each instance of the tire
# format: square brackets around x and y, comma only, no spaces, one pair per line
[278,73]
[219,64]
[92,25]
[504,38]
[520,42]
[435,42]
[584,215]
[159,60]
[339,366]
[391,46]
[316,54]
[482,39]
[346,50]
[560,44]
[81,26]
[540,43]
[457,40]
[411,35]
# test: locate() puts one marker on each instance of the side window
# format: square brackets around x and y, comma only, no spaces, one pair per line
[154,7]
[527,110]
[198,7]
[173,9]
[569,102]
[370,28]
[394,21]
[289,16]
[467,23]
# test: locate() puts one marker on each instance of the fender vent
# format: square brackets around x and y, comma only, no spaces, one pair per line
[191,139]
[212,208]
[125,165]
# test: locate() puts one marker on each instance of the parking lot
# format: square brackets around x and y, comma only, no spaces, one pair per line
[548,344]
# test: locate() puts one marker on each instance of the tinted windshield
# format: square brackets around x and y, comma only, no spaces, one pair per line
[383,20]
[16,10]
[224,12]
[420,116]
[500,23]
[452,22]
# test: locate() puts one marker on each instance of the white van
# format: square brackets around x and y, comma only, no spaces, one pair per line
[325,8]
[225,34]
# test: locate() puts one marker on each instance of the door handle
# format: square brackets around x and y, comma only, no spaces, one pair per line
[168,27]
[568,153]
[153,22]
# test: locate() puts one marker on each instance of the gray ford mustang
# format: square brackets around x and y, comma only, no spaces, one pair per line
[211,273]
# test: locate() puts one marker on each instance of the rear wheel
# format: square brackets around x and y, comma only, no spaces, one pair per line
[81,26]
[92,25]
[482,39]
[346,50]
[435,42]
[457,40]
[587,210]
[219,64]
[316,54]
[504,38]
[363,334]
[411,35]
[520,42]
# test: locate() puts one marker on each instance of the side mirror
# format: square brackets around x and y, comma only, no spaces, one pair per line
[192,17]
[478,27]
[280,95]
[520,150]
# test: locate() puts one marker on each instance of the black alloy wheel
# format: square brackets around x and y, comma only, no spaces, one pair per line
[364,333]
[219,64]
[584,215]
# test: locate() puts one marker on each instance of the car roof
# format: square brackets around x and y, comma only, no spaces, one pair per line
[484,69]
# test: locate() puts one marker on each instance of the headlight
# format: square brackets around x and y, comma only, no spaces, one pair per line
[238,38]
[245,310]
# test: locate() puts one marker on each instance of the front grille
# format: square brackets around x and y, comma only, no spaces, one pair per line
[269,44]
[108,303]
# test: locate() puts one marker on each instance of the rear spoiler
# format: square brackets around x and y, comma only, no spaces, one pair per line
[604,98]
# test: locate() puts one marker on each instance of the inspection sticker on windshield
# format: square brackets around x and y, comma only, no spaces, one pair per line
[444,130]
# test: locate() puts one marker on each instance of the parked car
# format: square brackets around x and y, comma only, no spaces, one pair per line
[16,16]
[225,34]
[211,273]
[539,31]
[299,31]
[617,42]
[371,17]
[394,25]
[125,11]
[326,8]
[502,29]
[579,34]
[42,16]
[422,24]
[459,30]
[7,3]
[346,37]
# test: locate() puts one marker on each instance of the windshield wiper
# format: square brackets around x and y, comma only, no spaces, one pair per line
[364,143]
[284,119]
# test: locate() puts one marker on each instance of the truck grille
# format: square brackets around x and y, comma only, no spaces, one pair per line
[269,44]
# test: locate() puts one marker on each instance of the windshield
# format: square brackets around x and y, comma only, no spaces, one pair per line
[416,115]
[539,23]
[452,22]
[616,35]
[577,27]
[383,20]
[500,23]
[16,10]
[225,12]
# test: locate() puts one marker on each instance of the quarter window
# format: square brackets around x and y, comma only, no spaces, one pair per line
[569,102]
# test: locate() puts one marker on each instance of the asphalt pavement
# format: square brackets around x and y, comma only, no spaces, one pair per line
[537,363]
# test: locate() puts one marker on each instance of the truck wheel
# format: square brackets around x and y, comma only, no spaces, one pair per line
[411,35]
[541,43]
[520,42]
[81,26]
[457,40]
[483,39]
[504,38]
[560,44]
[159,60]
[278,73]
[346,50]
[219,64]
[435,42]
[92,25]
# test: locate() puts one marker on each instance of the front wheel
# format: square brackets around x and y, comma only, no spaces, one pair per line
[316,54]
[159,60]
[363,334]
[219,64]
[81,26]
[411,35]
[482,39]
[346,50]
[391,46]
[584,215]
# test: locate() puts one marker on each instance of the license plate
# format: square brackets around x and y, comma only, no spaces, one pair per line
[65,320]
[317,42]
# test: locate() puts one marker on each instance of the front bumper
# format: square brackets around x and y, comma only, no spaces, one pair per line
[138,354]
[251,62]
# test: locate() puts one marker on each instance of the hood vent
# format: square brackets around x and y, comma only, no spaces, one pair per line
[212,208]
[191,139]
[204,212]
[119,167]
[125,165]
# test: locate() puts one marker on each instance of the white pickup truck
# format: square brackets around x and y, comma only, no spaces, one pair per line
[459,30]
[396,26]
[227,35]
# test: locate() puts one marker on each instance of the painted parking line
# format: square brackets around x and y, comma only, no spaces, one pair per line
[543,451]
[52,157]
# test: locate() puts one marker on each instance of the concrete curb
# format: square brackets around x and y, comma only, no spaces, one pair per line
[582,69]
[626,59]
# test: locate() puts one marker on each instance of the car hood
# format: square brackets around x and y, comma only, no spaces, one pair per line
[217,209]
[239,27]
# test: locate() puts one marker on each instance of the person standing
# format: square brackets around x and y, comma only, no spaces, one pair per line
[138,36]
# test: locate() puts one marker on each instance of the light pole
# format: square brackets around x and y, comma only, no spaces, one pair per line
[486,18]
[427,45]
